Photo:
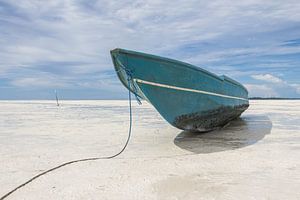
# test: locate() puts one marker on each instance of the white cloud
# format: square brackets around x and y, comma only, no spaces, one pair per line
[72,31]
[297,87]
[39,82]
[267,78]
[273,87]
[256,90]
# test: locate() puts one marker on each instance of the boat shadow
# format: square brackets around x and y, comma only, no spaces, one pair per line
[241,132]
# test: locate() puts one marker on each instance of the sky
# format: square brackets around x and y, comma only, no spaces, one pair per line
[64,45]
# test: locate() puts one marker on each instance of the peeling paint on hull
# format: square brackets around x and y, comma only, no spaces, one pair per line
[208,120]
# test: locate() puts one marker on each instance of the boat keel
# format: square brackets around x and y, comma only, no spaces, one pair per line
[208,120]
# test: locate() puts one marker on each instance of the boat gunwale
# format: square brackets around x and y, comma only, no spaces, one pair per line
[180,63]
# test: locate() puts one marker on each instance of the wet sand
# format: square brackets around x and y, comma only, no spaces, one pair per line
[254,157]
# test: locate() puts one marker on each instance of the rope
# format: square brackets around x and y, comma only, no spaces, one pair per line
[129,78]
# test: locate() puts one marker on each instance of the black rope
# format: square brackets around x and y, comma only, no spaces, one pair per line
[80,160]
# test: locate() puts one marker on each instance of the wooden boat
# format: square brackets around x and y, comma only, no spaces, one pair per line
[188,97]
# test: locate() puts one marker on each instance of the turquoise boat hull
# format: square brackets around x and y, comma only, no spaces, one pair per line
[188,97]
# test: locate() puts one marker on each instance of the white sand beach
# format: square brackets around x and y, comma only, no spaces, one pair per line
[254,157]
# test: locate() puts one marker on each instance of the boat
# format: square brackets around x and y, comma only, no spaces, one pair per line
[188,97]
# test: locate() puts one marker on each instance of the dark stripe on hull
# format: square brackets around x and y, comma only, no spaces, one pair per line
[209,120]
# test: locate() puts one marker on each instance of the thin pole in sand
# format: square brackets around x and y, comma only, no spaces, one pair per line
[56,98]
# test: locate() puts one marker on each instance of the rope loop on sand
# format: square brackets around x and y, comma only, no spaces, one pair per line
[130,80]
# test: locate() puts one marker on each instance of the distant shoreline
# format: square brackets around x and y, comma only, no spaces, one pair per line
[272,98]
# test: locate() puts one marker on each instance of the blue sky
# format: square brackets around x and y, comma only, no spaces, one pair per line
[64,44]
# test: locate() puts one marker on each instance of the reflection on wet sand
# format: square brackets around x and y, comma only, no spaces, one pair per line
[239,133]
